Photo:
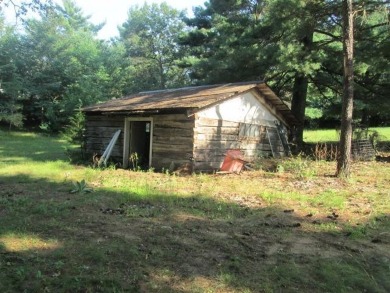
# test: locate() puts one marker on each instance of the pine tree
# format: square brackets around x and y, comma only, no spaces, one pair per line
[344,159]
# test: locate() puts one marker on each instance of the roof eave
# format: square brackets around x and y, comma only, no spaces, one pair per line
[282,108]
[141,111]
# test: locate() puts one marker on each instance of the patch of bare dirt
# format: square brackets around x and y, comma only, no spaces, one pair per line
[176,249]
[197,246]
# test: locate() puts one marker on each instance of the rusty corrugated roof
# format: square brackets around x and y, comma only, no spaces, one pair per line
[192,98]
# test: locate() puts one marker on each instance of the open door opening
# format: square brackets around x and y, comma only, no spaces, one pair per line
[138,140]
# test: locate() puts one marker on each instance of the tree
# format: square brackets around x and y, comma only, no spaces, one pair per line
[247,40]
[343,161]
[224,42]
[299,54]
[150,36]
[76,18]
[21,8]
[348,13]
[63,66]
[11,89]
[372,60]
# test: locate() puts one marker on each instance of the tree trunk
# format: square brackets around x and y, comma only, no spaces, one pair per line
[161,73]
[344,159]
[298,105]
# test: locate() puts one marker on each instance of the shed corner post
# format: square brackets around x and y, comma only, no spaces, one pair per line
[126,143]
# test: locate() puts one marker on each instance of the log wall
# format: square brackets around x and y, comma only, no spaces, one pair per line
[99,131]
[172,141]
[213,137]
[179,140]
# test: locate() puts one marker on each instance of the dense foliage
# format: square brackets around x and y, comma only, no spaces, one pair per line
[56,64]
[150,36]
[295,46]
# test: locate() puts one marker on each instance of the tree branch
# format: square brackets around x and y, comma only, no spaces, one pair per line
[323,43]
[317,85]
[375,25]
[327,34]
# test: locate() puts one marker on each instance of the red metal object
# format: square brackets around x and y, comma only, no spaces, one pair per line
[233,161]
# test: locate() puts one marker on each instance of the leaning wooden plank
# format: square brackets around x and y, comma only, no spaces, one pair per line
[107,152]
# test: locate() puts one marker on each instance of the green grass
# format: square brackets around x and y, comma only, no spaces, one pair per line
[22,147]
[323,135]
[331,135]
[148,232]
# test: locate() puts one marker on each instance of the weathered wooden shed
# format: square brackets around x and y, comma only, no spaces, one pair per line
[191,126]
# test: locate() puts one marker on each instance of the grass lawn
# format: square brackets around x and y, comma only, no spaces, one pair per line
[296,230]
[328,135]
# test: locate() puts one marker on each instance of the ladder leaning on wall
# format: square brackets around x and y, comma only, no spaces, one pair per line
[277,139]
[283,138]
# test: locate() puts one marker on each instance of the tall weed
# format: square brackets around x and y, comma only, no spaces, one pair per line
[299,166]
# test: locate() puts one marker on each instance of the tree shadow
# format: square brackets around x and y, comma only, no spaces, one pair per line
[117,241]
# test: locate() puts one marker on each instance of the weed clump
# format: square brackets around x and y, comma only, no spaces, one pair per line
[81,187]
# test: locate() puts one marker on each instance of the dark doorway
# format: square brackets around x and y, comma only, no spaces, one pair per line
[139,147]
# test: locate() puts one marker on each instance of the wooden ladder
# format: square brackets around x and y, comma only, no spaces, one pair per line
[273,137]
[283,139]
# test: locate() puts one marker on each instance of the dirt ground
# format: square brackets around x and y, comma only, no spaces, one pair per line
[259,237]
[195,249]
[235,241]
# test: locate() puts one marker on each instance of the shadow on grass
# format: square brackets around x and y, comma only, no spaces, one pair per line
[110,241]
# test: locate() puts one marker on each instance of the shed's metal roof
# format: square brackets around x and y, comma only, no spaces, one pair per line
[191,98]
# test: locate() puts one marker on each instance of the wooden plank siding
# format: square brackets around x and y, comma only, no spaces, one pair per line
[212,139]
[99,131]
[181,140]
[173,136]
